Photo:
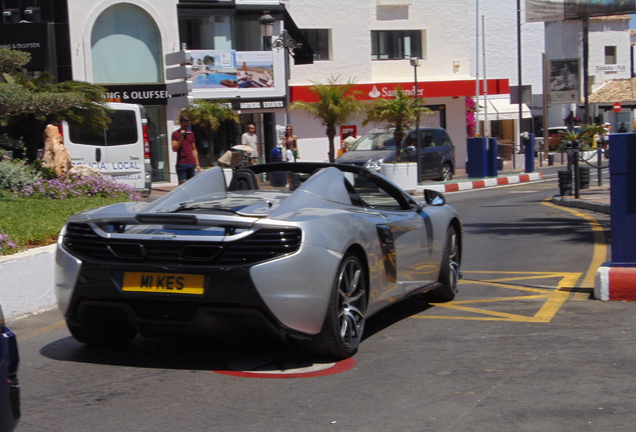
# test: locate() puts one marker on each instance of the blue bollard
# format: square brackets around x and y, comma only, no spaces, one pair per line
[493,153]
[529,151]
[622,192]
[477,149]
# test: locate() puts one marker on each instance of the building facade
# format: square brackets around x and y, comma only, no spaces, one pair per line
[372,42]
[610,58]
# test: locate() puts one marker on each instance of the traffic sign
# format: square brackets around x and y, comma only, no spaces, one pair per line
[617,107]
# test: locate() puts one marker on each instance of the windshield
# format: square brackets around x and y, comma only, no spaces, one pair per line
[375,141]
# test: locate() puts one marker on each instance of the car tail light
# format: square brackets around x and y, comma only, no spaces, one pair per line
[144,129]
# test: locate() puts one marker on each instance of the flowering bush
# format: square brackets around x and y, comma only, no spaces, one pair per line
[79,187]
[471,125]
[7,244]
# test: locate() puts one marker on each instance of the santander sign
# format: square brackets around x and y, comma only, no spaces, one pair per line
[427,89]
[389,93]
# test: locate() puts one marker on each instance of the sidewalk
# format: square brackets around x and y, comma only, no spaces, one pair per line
[596,199]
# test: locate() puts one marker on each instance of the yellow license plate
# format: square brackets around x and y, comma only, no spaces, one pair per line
[163,283]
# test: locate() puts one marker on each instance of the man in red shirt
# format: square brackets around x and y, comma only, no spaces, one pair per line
[187,154]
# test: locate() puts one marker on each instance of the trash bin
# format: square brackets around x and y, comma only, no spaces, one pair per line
[565,182]
[550,159]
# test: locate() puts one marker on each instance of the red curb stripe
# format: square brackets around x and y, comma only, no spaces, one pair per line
[502,181]
[339,367]
[622,283]
[453,187]
[478,184]
[524,177]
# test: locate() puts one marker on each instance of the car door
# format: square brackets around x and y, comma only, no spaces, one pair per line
[406,234]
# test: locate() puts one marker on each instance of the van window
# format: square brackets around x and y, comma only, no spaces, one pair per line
[121,130]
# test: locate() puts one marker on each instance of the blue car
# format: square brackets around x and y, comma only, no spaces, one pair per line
[9,388]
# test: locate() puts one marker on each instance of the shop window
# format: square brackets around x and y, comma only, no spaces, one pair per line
[219,30]
[610,55]
[318,40]
[126,47]
[396,44]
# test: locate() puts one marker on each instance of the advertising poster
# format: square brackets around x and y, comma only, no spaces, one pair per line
[232,69]
[564,81]
[545,10]
[255,69]
[213,69]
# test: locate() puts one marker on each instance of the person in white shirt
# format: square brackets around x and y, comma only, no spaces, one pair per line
[250,139]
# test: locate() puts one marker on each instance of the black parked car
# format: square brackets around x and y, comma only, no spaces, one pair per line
[437,153]
[9,388]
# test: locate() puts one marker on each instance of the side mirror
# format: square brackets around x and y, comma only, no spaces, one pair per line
[434,198]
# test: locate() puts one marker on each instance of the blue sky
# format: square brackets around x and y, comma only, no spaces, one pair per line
[632,23]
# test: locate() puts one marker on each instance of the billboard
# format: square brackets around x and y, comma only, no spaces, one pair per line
[564,82]
[557,10]
[226,74]
[545,10]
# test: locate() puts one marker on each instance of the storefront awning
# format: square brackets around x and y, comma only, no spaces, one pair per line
[502,109]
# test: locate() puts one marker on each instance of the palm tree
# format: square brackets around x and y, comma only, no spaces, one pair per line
[209,116]
[585,136]
[336,105]
[398,113]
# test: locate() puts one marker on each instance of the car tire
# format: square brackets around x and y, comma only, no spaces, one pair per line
[446,172]
[449,271]
[343,328]
[107,335]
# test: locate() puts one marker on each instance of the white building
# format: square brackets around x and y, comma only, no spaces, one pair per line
[372,42]
[610,55]
[453,52]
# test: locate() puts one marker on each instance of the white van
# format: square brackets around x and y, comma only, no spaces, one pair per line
[121,152]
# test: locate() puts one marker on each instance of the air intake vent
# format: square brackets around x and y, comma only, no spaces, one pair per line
[264,244]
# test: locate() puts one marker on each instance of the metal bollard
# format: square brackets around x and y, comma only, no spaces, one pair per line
[584,177]
[565,182]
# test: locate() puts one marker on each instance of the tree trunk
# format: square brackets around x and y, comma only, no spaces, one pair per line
[398,136]
[210,156]
[331,134]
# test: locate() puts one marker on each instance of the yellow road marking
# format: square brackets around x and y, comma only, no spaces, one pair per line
[42,330]
[552,298]
[600,244]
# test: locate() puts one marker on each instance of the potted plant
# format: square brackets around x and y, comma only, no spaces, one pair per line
[399,114]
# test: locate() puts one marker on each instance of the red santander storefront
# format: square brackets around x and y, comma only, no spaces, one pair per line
[446,99]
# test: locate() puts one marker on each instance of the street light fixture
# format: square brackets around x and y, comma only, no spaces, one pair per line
[267,24]
[415,62]
[284,41]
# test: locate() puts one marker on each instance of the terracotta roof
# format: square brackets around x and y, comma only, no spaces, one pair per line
[618,90]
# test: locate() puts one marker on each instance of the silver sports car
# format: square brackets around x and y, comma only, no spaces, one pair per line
[311,249]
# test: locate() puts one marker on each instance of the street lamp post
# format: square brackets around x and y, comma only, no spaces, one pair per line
[415,62]
[284,41]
